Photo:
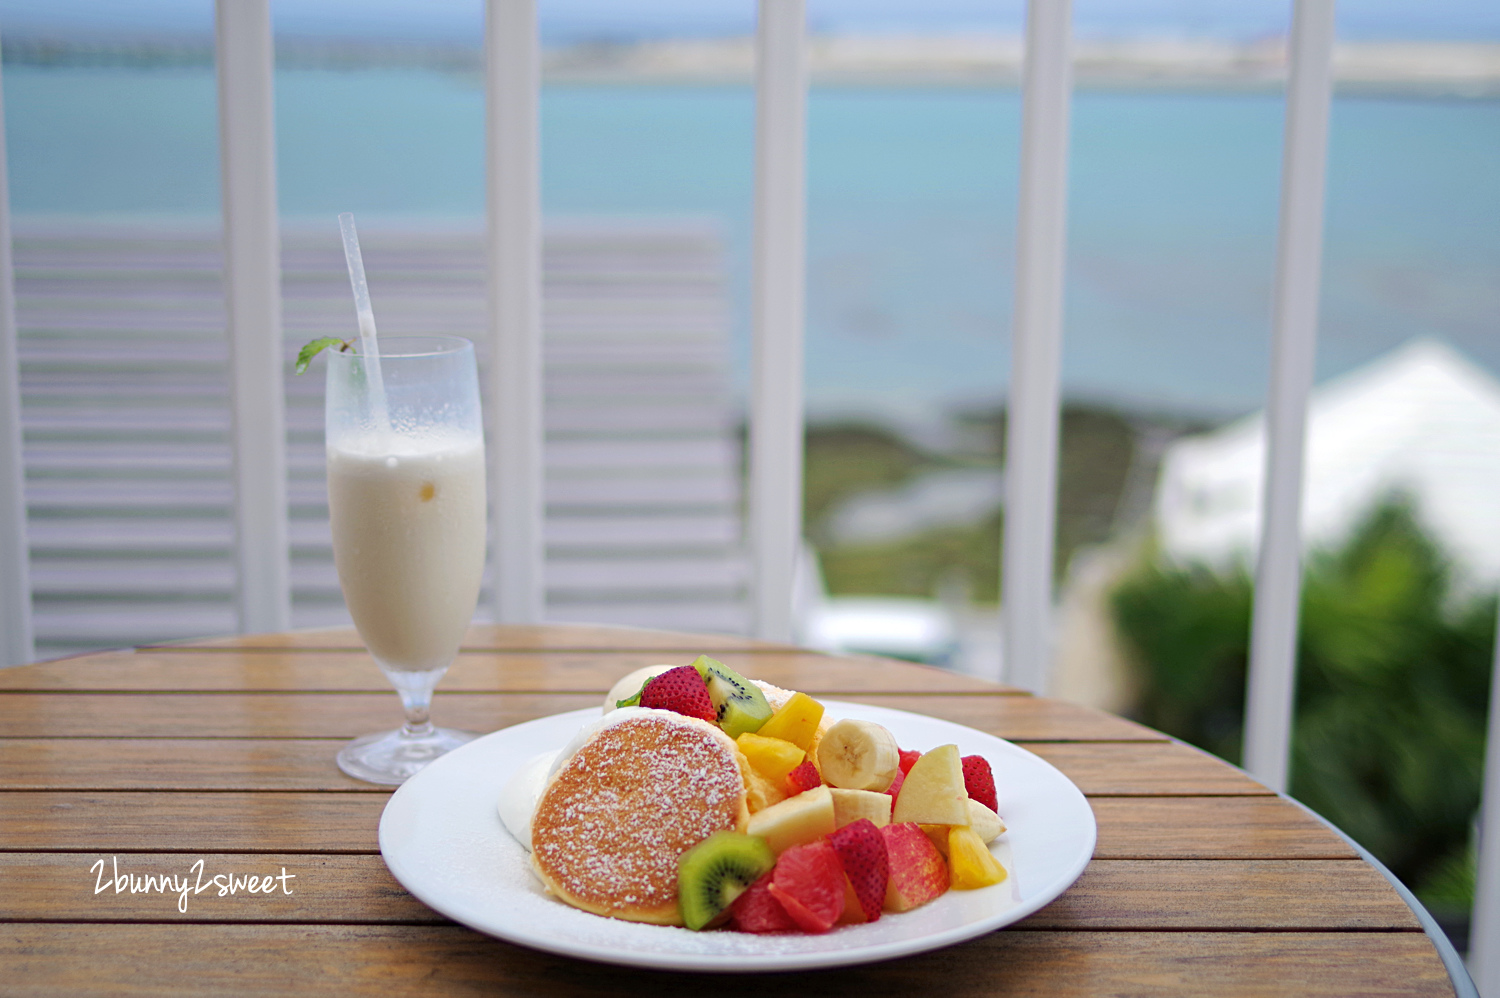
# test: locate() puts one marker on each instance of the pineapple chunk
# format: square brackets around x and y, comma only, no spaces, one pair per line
[851,805]
[796,721]
[761,793]
[804,818]
[773,758]
[970,863]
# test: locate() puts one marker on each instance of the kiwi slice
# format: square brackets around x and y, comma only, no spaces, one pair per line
[716,871]
[740,704]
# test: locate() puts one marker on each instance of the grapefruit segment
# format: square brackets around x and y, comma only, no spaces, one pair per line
[809,883]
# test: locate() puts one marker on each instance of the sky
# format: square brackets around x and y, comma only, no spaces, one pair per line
[564,21]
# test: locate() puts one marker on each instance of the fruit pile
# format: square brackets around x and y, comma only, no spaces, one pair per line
[844,823]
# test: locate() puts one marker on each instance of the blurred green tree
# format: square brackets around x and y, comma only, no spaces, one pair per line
[1394,661]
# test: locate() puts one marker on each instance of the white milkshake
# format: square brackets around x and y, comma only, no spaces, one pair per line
[409,543]
[406,479]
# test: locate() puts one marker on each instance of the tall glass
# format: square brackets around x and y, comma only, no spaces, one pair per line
[407,505]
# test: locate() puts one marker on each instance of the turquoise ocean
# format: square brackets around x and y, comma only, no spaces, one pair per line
[911,211]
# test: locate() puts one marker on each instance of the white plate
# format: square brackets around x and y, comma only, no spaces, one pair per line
[442,839]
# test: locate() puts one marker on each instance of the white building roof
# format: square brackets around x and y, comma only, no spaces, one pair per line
[1421,420]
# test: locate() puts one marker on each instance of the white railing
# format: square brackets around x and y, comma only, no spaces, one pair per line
[15,573]
[245,65]
[1031,434]
[1484,931]
[252,296]
[776,396]
[1299,258]
[512,81]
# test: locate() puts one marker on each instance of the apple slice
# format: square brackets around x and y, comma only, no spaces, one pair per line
[851,805]
[933,792]
[797,820]
[917,871]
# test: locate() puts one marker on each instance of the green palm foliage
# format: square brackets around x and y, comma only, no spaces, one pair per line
[1394,660]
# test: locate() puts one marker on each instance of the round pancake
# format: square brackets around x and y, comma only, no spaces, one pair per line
[609,828]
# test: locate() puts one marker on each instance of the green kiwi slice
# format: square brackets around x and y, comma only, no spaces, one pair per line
[716,871]
[740,704]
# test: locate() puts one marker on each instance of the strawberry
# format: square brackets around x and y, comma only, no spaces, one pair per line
[680,689]
[895,787]
[861,850]
[909,759]
[757,911]
[809,883]
[804,777]
[979,781]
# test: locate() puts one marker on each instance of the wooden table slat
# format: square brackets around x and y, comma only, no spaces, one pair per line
[513,637]
[1144,768]
[277,821]
[183,821]
[1228,894]
[249,960]
[1111,894]
[238,670]
[342,715]
[1211,828]
[74,887]
[1140,768]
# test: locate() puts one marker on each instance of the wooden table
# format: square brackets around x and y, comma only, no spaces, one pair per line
[1203,882]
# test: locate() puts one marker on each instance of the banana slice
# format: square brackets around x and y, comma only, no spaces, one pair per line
[859,755]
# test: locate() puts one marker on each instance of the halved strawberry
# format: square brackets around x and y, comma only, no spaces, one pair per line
[680,689]
[809,883]
[861,850]
[757,911]
[805,777]
[895,787]
[909,759]
[979,781]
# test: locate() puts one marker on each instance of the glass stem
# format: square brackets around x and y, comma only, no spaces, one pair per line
[415,689]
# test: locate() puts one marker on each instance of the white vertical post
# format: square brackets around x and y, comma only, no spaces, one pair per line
[252,292]
[512,84]
[15,576]
[1484,931]
[1036,347]
[1299,264]
[776,431]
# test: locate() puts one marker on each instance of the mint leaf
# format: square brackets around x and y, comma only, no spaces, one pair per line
[635,700]
[307,353]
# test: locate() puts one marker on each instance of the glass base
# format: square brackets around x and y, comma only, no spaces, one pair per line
[392,757]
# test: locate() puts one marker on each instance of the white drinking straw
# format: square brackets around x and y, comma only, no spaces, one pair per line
[368,348]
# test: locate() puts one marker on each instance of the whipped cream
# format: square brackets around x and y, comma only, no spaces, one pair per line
[518,800]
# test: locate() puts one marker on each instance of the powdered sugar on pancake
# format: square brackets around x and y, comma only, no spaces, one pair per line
[518,800]
[618,814]
[589,730]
